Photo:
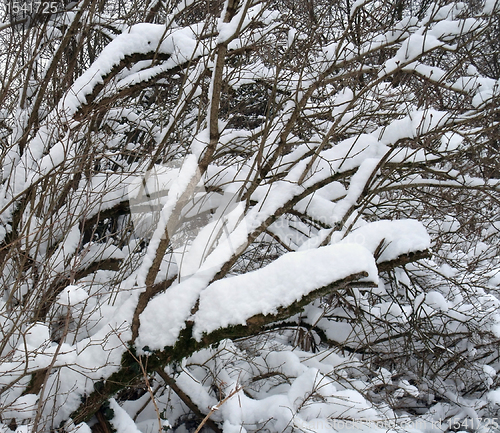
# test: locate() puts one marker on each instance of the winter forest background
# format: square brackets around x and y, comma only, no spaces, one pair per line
[250,216]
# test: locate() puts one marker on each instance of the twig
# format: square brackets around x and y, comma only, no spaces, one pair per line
[148,385]
[187,401]
[217,407]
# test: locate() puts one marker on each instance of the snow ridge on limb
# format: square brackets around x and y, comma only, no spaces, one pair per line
[278,285]
[288,280]
[185,344]
[140,42]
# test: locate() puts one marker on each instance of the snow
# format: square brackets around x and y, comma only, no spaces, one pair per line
[288,279]
[121,421]
[485,96]
[317,207]
[195,390]
[230,29]
[72,295]
[297,405]
[390,308]
[346,155]
[356,5]
[65,249]
[491,6]
[308,390]
[81,428]
[436,300]
[494,396]
[104,190]
[286,362]
[358,183]
[141,38]
[399,237]
[187,174]
[23,409]
[448,29]
[165,316]
[263,291]
[416,123]
[410,50]
[450,142]
[432,73]
[226,217]
[37,335]
[95,252]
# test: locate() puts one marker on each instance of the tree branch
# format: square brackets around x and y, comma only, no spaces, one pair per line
[187,400]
